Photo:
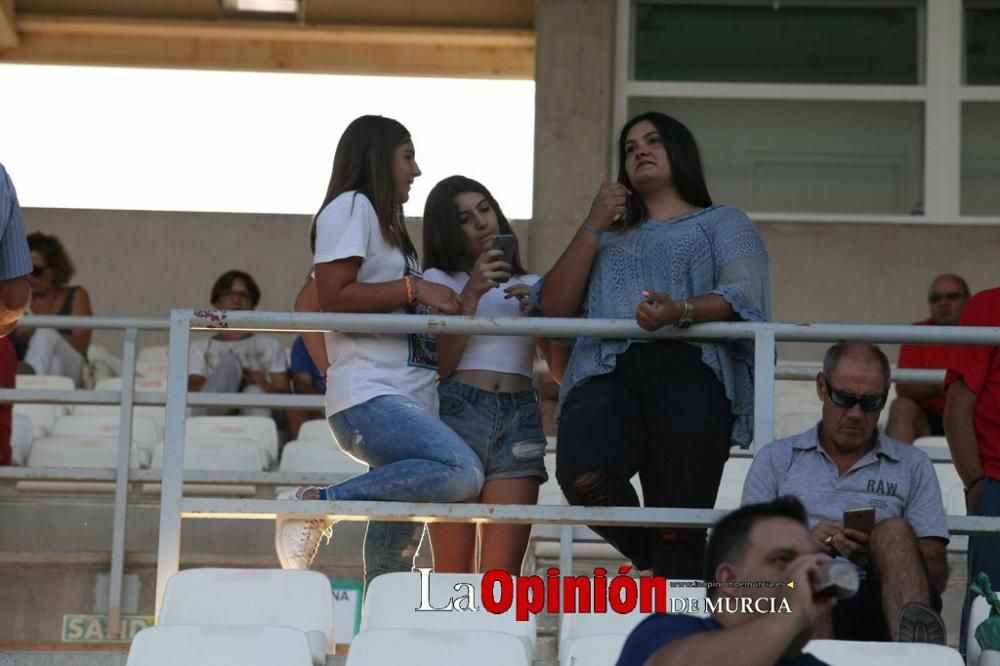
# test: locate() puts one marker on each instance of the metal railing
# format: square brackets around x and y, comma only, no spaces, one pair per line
[174,507]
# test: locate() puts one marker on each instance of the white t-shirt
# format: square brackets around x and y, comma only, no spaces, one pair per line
[499,353]
[262,353]
[365,366]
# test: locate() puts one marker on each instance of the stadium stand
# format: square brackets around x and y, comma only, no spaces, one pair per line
[316,429]
[71,451]
[857,653]
[259,429]
[235,454]
[418,647]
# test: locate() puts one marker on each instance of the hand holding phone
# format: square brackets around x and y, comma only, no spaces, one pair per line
[861,519]
[506,243]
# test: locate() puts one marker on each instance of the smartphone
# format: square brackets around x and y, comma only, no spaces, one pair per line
[861,519]
[506,243]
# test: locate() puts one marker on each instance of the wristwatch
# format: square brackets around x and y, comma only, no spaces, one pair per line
[688,317]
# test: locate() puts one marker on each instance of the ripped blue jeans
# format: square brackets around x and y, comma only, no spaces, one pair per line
[414,458]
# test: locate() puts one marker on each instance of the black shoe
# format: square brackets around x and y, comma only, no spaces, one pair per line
[919,623]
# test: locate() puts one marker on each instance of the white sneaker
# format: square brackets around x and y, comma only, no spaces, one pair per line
[296,540]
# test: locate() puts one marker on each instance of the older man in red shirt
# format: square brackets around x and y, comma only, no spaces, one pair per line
[972,424]
[919,409]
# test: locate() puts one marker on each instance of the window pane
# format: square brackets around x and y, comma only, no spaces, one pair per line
[980,158]
[815,157]
[982,43]
[772,42]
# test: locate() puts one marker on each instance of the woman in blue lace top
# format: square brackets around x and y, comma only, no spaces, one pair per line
[654,248]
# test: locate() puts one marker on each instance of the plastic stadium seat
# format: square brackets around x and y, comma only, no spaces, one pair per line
[156,413]
[21,434]
[151,362]
[316,430]
[54,382]
[392,598]
[550,492]
[979,611]
[42,416]
[417,647]
[228,454]
[75,451]
[300,599]
[145,434]
[211,646]
[936,447]
[575,627]
[858,653]
[953,496]
[319,456]
[152,353]
[599,650]
[731,487]
[259,429]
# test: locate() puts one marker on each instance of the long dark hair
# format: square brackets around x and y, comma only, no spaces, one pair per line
[363,163]
[445,244]
[685,166]
[55,255]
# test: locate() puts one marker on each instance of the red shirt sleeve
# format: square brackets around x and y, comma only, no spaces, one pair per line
[971,363]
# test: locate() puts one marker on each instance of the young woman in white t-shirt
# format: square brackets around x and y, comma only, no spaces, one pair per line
[381,398]
[486,386]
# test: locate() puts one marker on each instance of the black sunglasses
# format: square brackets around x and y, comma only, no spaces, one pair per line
[951,296]
[846,399]
[36,271]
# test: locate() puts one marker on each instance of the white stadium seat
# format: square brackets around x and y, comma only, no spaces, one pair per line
[154,412]
[21,434]
[316,430]
[598,650]
[420,647]
[936,447]
[211,646]
[43,417]
[299,599]
[145,434]
[731,488]
[259,429]
[953,496]
[575,627]
[858,653]
[393,597]
[319,456]
[75,451]
[979,611]
[796,407]
[151,362]
[225,454]
[550,492]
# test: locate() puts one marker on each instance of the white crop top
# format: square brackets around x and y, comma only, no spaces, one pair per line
[499,353]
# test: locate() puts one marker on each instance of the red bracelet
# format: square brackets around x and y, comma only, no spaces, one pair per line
[411,292]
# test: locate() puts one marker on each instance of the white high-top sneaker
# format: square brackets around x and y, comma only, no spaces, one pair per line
[297,540]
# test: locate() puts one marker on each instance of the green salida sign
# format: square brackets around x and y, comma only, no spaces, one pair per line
[94,628]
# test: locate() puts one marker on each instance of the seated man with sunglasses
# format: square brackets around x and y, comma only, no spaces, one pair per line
[844,462]
[919,409]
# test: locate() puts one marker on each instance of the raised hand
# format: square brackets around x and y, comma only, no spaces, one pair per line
[608,205]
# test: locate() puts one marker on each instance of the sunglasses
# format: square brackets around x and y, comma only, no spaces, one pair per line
[36,271]
[950,296]
[846,399]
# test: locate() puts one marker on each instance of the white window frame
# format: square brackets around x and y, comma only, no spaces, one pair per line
[942,94]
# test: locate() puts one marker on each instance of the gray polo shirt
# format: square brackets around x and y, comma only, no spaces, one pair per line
[895,478]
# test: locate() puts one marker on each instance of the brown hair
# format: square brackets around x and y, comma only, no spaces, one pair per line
[55,256]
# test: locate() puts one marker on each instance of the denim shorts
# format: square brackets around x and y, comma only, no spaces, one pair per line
[504,429]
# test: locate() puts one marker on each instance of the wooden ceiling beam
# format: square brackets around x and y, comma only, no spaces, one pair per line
[258,46]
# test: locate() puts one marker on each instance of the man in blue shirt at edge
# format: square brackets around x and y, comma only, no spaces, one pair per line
[759,542]
[15,260]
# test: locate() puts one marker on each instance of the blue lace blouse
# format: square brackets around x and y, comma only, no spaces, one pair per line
[716,250]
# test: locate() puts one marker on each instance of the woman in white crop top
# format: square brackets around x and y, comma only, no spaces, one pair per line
[381,402]
[486,381]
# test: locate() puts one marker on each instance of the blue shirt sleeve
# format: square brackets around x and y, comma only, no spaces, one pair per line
[15,258]
[741,267]
[656,631]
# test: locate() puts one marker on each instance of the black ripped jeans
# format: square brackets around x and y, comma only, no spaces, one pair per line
[661,413]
